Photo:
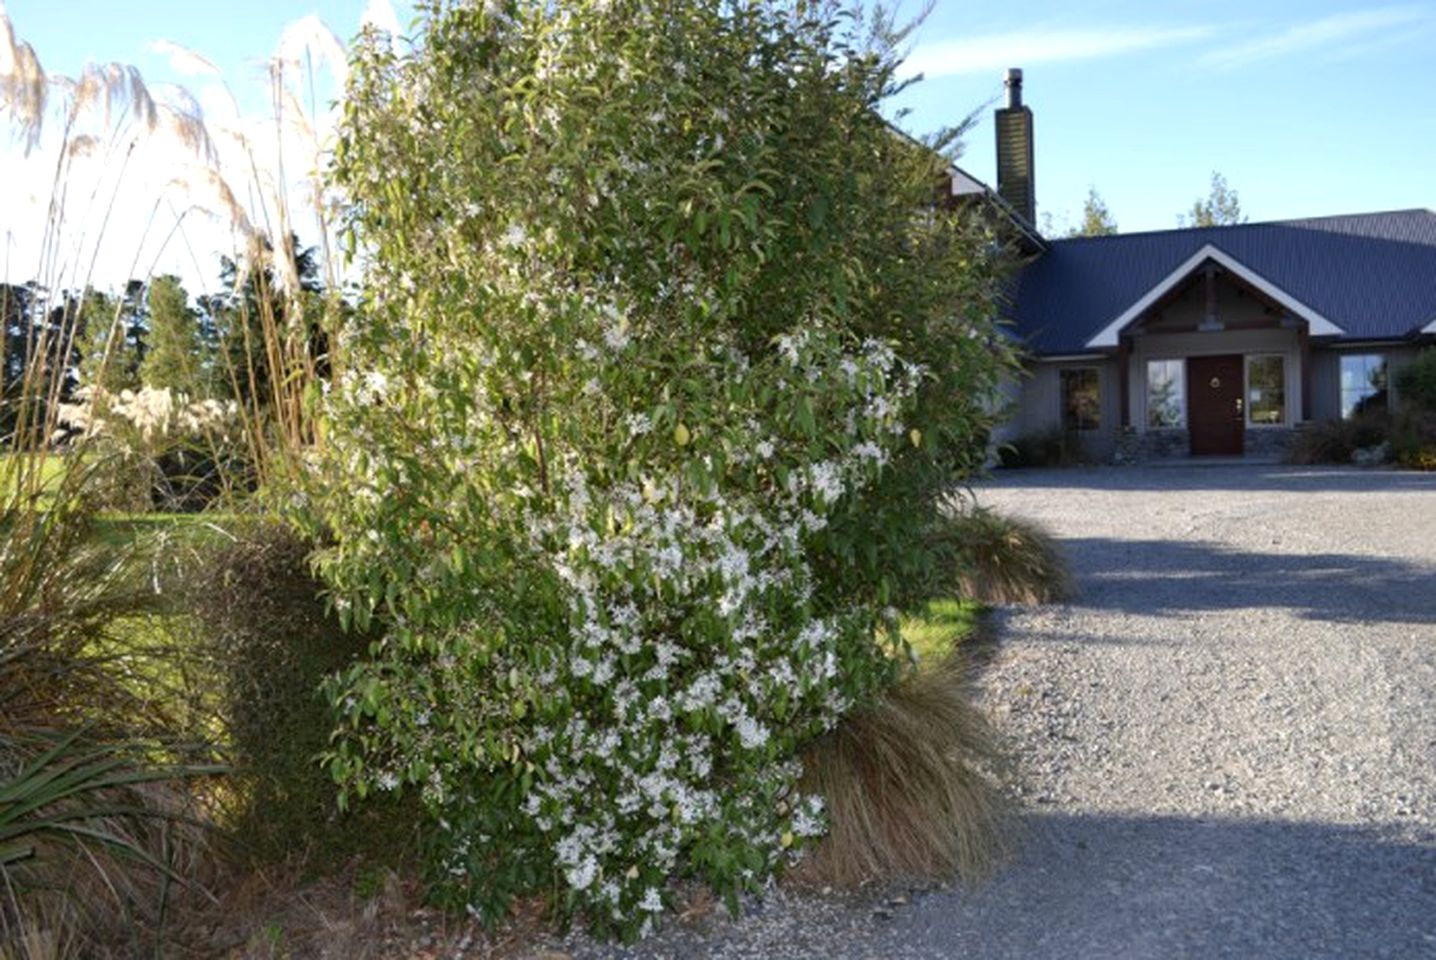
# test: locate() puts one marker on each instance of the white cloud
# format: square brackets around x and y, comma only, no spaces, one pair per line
[1339,28]
[380,15]
[987,53]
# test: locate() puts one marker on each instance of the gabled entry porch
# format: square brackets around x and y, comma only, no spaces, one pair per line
[1213,361]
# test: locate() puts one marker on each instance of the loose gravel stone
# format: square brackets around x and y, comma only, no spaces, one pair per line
[1226,743]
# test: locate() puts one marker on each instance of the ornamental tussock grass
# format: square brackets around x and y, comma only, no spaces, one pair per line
[1334,441]
[910,785]
[61,592]
[998,559]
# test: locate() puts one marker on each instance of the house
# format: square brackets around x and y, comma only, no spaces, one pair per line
[1207,340]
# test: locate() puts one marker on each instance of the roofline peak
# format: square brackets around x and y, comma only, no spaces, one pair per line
[1285,222]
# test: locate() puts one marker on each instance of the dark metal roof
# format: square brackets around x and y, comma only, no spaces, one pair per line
[1373,275]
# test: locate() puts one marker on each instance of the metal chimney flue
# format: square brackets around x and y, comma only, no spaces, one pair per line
[1014,88]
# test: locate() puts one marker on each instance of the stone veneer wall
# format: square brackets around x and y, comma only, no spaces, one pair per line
[1139,446]
[1270,441]
[1135,446]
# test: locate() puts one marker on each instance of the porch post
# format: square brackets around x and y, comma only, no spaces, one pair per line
[1124,358]
[1303,339]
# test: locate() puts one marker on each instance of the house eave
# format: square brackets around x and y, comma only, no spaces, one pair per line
[1070,357]
[1317,325]
[1364,342]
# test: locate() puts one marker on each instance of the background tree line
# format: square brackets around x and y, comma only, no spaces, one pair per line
[155,334]
[1221,207]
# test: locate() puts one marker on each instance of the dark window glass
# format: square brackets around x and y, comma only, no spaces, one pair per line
[1081,399]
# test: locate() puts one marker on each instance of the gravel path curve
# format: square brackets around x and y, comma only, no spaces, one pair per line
[1227,741]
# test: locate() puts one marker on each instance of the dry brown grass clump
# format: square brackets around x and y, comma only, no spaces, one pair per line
[1001,559]
[909,785]
[1334,441]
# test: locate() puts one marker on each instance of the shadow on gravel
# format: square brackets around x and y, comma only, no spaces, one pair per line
[1109,887]
[1176,577]
[1218,477]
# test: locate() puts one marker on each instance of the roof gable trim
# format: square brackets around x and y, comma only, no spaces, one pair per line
[1317,324]
[961,182]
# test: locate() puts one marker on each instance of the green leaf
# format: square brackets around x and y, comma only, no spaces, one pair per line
[803,411]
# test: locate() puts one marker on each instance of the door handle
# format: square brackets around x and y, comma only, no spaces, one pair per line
[1239,404]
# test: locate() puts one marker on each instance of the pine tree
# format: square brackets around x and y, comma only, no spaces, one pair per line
[107,355]
[177,357]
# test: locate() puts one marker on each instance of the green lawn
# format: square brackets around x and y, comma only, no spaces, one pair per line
[945,624]
[154,648]
[51,470]
[122,529]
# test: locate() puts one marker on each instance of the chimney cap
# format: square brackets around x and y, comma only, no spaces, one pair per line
[1014,87]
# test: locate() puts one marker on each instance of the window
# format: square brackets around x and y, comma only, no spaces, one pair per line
[1081,399]
[1166,393]
[1266,390]
[1363,383]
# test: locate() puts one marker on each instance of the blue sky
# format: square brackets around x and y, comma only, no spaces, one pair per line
[1308,107]
[67,33]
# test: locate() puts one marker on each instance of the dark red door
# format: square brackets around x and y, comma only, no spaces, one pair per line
[1215,418]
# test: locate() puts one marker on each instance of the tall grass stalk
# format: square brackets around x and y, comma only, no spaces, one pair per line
[109,113]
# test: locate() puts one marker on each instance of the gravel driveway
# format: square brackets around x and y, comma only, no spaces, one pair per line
[1227,742]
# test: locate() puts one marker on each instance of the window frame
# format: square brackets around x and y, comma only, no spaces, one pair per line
[1181,363]
[1062,404]
[1285,420]
[1340,380]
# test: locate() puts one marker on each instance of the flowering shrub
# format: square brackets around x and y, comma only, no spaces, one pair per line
[664,365]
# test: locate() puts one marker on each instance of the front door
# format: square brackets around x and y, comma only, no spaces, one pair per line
[1215,418]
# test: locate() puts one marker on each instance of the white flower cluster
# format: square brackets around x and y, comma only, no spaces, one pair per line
[660,721]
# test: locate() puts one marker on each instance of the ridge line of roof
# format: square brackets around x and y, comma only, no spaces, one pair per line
[1239,226]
